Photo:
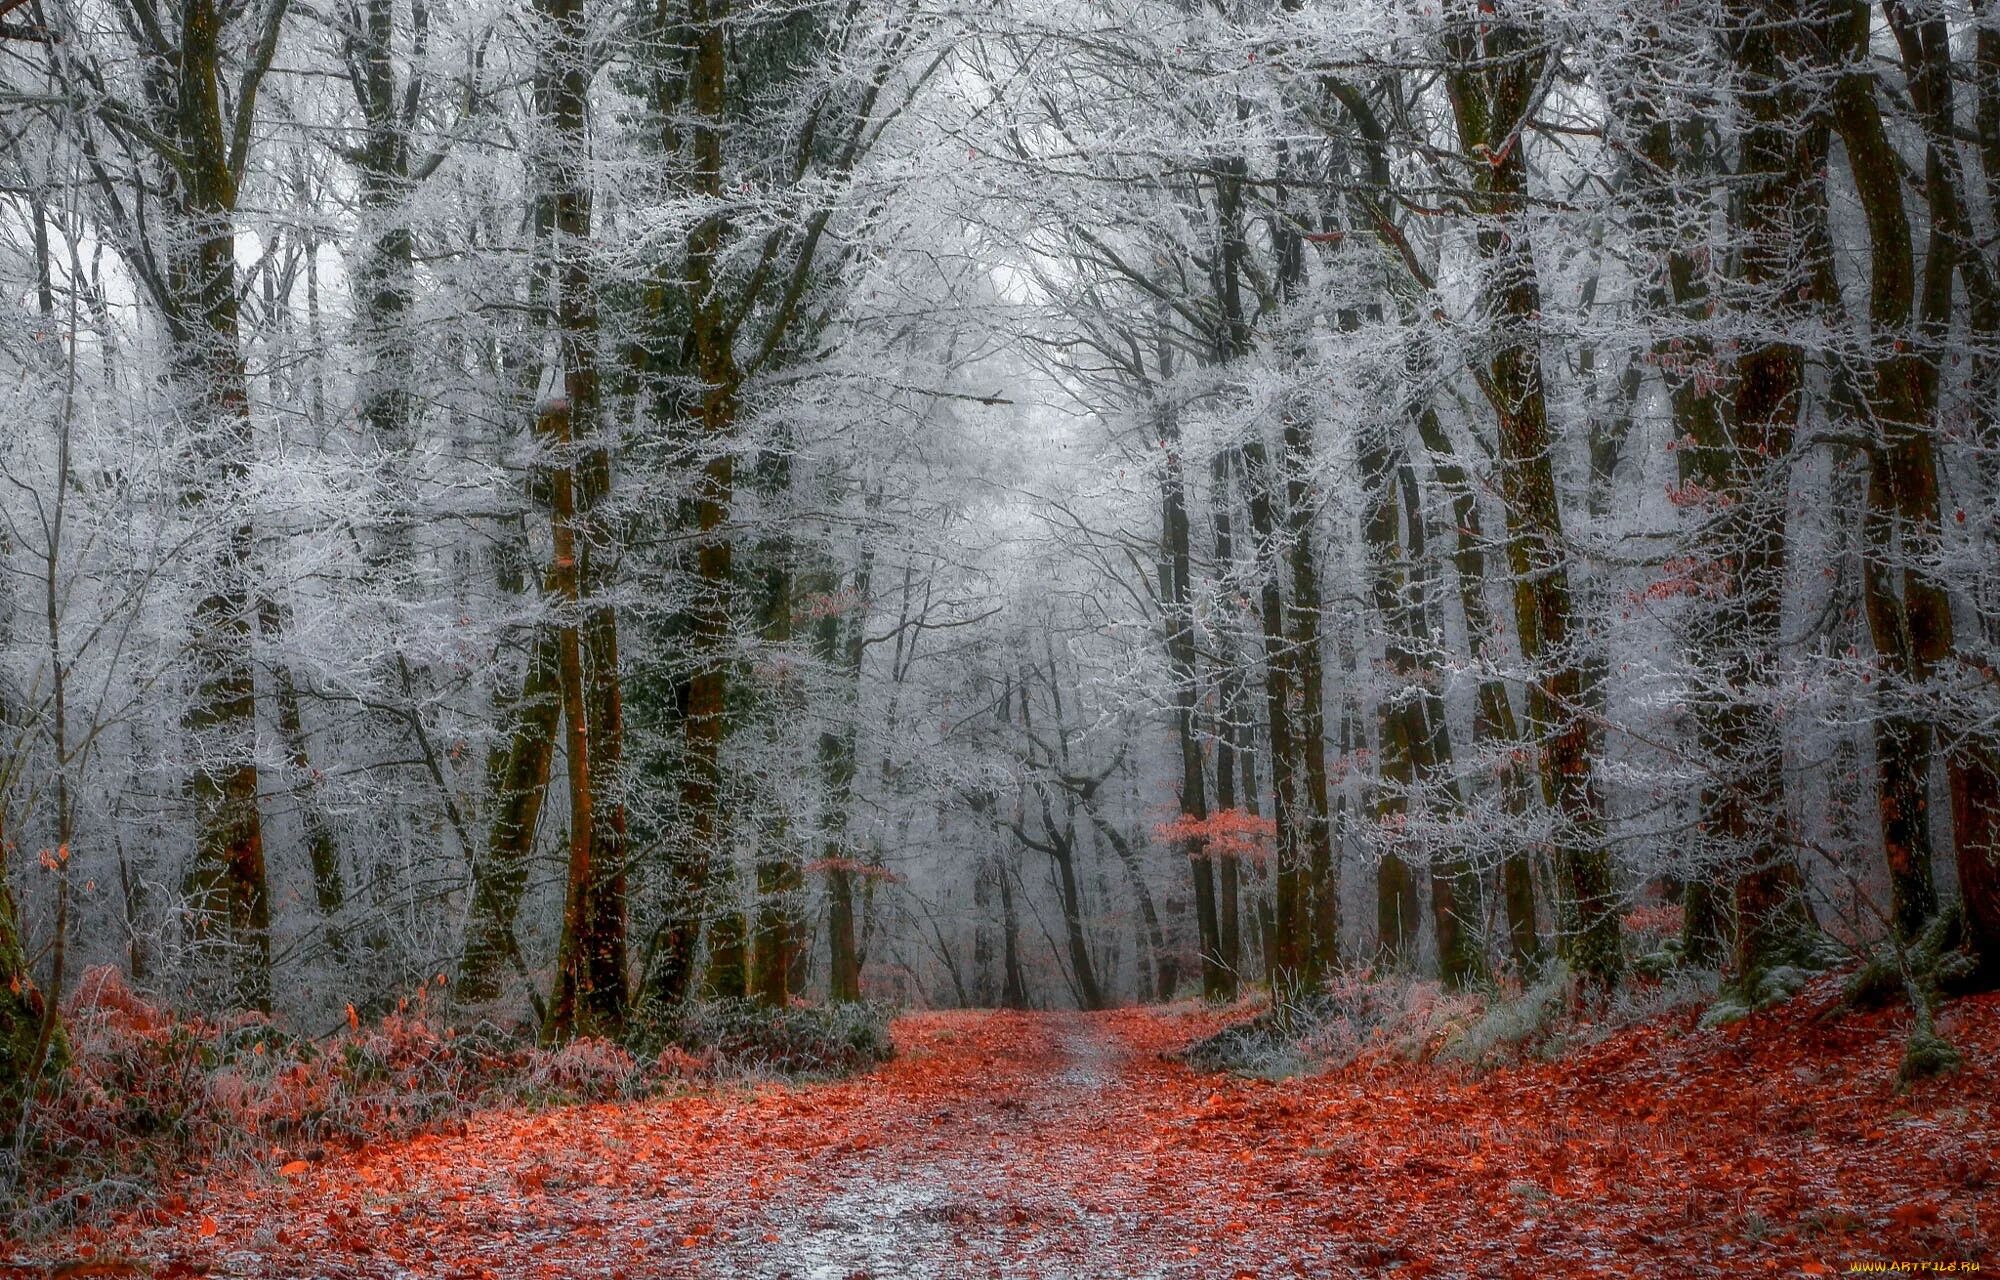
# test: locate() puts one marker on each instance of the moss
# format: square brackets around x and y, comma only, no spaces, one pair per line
[1926,1056]
[22,1015]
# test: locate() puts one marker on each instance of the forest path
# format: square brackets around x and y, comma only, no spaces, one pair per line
[993,1144]
[1059,1146]
[985,1167]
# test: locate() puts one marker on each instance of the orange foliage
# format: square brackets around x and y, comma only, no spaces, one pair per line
[1226,833]
[1068,1144]
[1654,920]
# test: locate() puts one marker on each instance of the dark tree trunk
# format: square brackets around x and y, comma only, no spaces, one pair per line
[1177,613]
[500,877]
[1677,154]
[1972,764]
[1149,916]
[589,994]
[1494,729]
[1014,987]
[837,638]
[1455,907]
[779,916]
[1232,713]
[705,725]
[1491,91]
[1904,618]
[31,1035]
[1783,153]
[227,880]
[322,851]
[1397,915]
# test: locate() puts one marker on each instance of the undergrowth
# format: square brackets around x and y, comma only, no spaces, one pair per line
[1418,1020]
[744,1038]
[149,1093]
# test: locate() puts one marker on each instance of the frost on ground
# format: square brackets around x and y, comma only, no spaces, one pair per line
[1070,1145]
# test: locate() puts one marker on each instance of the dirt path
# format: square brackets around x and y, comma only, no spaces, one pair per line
[993,1145]
[981,1172]
[1058,1146]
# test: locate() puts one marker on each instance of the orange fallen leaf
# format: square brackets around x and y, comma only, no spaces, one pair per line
[207,1227]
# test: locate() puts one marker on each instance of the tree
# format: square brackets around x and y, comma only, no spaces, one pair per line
[1497,68]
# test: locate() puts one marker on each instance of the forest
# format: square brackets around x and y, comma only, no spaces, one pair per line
[618,552]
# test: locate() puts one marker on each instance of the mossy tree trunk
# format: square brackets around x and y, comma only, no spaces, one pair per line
[1492,85]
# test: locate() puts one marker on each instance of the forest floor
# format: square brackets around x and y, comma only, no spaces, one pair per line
[1070,1145]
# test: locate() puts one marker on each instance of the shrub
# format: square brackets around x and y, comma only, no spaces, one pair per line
[1511,1026]
[1350,1016]
[588,1070]
[742,1036]
[1420,1021]
[147,1092]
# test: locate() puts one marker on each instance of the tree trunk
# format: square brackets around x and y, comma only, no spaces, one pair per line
[32,1039]
[322,851]
[1491,94]
[589,994]
[1783,154]
[1676,152]
[1494,729]
[1177,613]
[728,973]
[1288,958]
[780,908]
[1455,908]
[1089,992]
[1149,915]
[1904,618]
[1318,902]
[1397,918]
[705,725]
[501,876]
[838,635]
[1972,764]
[1232,713]
[227,881]
[1288,953]
[1974,756]
[385,269]
[1014,988]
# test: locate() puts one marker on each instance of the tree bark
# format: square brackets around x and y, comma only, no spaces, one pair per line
[1491,90]
[1495,731]
[1397,918]
[227,880]
[1455,907]
[32,1038]
[1177,614]
[500,877]
[1232,712]
[838,637]
[1783,149]
[1972,762]
[322,850]
[589,994]
[705,725]
[1905,617]
[780,904]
